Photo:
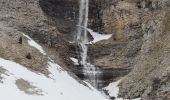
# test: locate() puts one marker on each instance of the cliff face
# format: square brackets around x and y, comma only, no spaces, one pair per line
[140,44]
[138,50]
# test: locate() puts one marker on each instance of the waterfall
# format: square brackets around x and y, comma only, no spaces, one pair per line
[89,70]
[82,38]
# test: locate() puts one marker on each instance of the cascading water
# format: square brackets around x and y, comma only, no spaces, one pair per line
[89,71]
[82,38]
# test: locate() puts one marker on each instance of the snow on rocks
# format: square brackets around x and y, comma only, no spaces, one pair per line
[98,37]
[113,91]
[34,44]
[75,61]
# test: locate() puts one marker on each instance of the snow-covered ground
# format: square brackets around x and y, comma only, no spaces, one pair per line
[58,86]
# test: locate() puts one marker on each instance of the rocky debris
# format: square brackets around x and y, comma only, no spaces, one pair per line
[2,72]
[22,53]
[27,88]
[160,89]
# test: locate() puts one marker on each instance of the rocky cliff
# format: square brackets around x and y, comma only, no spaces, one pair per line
[138,52]
[139,44]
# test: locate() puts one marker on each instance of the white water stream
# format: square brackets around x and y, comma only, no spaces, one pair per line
[89,70]
[82,38]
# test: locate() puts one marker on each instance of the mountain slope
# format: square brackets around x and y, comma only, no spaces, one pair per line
[19,83]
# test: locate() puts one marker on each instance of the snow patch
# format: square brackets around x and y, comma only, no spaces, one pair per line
[74,60]
[98,37]
[113,91]
[34,44]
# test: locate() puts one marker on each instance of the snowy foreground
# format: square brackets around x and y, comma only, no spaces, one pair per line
[58,86]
